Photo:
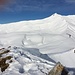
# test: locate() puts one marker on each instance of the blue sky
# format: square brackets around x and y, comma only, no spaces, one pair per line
[18,10]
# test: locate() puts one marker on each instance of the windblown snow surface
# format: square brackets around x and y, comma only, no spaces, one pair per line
[37,45]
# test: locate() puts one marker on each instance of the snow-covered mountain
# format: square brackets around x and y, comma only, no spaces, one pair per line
[40,43]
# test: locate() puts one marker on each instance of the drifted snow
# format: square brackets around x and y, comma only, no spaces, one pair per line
[54,36]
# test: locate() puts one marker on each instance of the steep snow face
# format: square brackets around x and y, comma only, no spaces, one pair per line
[54,36]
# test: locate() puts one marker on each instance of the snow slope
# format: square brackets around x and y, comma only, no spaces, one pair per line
[54,36]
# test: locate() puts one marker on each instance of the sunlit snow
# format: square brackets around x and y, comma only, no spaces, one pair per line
[40,43]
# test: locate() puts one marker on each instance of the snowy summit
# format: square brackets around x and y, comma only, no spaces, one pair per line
[36,45]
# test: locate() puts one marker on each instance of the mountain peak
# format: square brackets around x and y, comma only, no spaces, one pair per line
[56,14]
[53,16]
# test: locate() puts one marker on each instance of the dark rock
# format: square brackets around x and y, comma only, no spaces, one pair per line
[4,67]
[3,64]
[4,52]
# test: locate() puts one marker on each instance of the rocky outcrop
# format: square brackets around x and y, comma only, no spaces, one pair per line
[3,64]
[58,69]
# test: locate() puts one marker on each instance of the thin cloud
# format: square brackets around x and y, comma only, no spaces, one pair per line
[27,5]
[5,4]
[70,1]
[33,5]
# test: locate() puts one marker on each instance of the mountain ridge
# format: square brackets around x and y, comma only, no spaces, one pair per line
[52,23]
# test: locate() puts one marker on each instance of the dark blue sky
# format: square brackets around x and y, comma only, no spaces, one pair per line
[18,10]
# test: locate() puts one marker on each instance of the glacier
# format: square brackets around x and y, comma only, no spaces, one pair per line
[40,44]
